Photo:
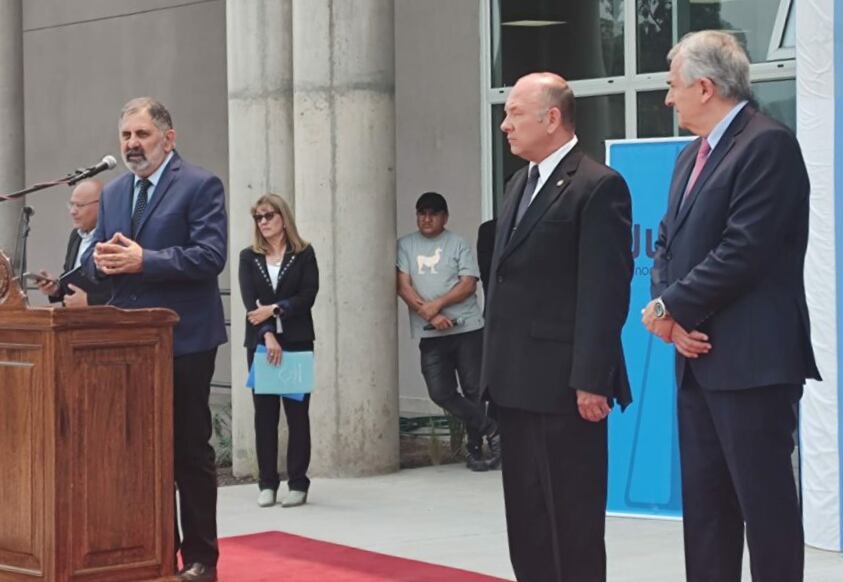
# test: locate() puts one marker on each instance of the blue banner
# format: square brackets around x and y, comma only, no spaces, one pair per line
[644,477]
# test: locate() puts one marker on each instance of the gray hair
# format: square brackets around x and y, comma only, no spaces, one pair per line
[156,110]
[717,56]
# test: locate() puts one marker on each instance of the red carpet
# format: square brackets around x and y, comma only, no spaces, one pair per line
[275,556]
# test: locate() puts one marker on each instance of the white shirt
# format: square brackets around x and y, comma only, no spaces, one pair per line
[547,165]
[87,239]
[274,271]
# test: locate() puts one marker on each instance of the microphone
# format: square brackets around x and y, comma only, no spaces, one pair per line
[107,163]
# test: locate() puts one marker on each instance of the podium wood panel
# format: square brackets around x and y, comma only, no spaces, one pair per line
[86,444]
[22,457]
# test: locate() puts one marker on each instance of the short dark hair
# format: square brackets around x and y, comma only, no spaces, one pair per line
[432,201]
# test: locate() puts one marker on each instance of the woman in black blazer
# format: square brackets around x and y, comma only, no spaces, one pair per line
[279,280]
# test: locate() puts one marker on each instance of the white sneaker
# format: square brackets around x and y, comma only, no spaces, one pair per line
[294,498]
[266,498]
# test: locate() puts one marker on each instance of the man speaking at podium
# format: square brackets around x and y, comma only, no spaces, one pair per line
[161,238]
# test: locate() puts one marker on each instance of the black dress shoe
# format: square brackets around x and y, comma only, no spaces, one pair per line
[197,572]
[494,443]
[475,461]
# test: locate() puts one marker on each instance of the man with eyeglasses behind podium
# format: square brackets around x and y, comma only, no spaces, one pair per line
[84,207]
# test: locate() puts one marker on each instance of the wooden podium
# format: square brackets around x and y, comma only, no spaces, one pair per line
[86,450]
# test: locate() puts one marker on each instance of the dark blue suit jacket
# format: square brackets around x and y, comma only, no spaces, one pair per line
[184,235]
[730,261]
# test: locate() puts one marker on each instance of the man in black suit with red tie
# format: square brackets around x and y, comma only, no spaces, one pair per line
[729,293]
[552,358]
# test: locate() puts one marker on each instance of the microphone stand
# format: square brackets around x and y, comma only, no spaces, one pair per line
[107,163]
[39,186]
[19,258]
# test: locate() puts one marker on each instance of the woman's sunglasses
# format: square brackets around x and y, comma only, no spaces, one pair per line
[267,217]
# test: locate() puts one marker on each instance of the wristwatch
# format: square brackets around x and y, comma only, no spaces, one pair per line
[659,309]
[276,311]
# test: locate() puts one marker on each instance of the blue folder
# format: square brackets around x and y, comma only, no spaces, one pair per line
[292,379]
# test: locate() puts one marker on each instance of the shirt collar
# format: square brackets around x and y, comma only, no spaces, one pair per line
[720,129]
[156,175]
[85,235]
[547,165]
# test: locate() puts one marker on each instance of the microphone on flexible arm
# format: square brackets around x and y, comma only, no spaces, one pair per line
[107,163]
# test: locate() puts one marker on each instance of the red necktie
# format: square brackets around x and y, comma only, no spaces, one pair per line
[702,157]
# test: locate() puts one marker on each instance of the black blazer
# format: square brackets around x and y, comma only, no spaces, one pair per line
[730,262]
[559,291]
[100,291]
[295,295]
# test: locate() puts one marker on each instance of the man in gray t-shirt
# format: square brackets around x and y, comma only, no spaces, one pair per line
[437,279]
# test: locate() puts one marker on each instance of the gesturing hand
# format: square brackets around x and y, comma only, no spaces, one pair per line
[592,407]
[120,255]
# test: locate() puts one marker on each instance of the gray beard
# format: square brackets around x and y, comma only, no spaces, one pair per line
[135,167]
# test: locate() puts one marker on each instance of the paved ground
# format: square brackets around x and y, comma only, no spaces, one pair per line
[448,515]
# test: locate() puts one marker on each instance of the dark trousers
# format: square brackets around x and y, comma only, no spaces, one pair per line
[267,415]
[735,449]
[442,360]
[195,467]
[555,470]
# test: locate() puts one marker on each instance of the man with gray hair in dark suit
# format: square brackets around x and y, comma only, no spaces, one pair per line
[161,239]
[728,292]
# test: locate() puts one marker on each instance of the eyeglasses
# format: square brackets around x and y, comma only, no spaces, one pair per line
[268,216]
[77,205]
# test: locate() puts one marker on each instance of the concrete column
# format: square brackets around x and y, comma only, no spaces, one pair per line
[344,130]
[260,108]
[11,118]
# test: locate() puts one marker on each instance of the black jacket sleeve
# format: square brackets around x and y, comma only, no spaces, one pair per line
[302,300]
[604,275]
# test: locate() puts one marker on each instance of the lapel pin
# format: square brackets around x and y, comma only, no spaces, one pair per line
[560,182]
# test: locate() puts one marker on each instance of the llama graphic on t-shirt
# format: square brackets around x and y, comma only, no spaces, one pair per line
[429,262]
